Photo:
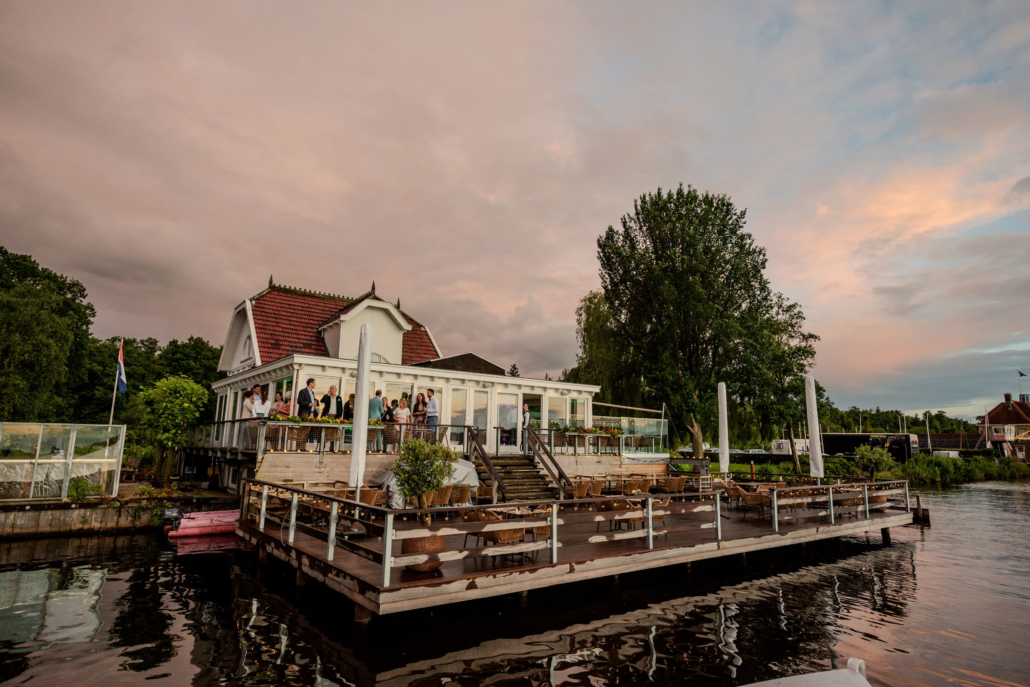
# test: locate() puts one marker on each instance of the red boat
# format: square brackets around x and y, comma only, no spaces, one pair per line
[204,524]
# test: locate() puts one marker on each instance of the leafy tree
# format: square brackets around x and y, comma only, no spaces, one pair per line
[513,371]
[197,359]
[604,356]
[790,355]
[871,460]
[36,340]
[422,468]
[686,289]
[172,404]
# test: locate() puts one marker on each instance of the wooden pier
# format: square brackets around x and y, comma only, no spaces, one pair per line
[358,550]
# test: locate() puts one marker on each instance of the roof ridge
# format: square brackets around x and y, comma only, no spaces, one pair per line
[301,292]
[1016,404]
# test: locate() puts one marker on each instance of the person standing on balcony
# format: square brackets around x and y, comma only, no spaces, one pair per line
[248,405]
[278,406]
[332,404]
[307,404]
[375,412]
[432,409]
[262,406]
[348,409]
[418,411]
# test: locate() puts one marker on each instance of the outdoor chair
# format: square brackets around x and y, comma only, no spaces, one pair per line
[753,502]
[369,495]
[500,537]
[413,502]
[459,494]
[611,507]
[581,489]
[657,518]
[630,487]
[596,487]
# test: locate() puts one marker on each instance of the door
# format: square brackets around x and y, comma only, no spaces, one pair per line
[508,422]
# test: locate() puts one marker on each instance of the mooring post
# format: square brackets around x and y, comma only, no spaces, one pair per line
[908,506]
[387,549]
[919,507]
[293,517]
[554,533]
[362,615]
[334,514]
[885,533]
[865,499]
[775,511]
[264,504]
[718,518]
[829,501]
[650,524]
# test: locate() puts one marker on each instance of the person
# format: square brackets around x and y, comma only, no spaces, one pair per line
[387,410]
[348,409]
[262,406]
[332,404]
[257,391]
[525,424]
[402,414]
[248,405]
[307,404]
[418,411]
[432,409]
[278,405]
[375,412]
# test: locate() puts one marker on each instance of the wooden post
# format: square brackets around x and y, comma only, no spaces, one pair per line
[829,502]
[264,504]
[387,549]
[293,517]
[554,533]
[334,514]
[775,510]
[718,518]
[885,533]
[362,615]
[908,505]
[865,499]
[650,523]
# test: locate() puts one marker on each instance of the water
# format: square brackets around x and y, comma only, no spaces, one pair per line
[948,605]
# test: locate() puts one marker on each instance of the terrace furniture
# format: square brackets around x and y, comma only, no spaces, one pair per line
[442,496]
[610,507]
[629,487]
[370,496]
[459,494]
[734,493]
[413,502]
[596,487]
[753,502]
[129,469]
[660,517]
[581,489]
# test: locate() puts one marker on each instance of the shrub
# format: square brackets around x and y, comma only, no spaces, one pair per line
[143,490]
[422,468]
[79,489]
[871,460]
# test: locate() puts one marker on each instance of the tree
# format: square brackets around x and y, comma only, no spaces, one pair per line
[872,460]
[422,468]
[172,404]
[686,290]
[790,355]
[604,356]
[513,371]
[197,359]
[36,340]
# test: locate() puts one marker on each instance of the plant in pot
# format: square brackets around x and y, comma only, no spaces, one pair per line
[421,469]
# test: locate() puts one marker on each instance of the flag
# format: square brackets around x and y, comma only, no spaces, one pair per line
[123,384]
[1021,374]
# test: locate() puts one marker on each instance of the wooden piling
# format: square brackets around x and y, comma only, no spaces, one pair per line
[885,533]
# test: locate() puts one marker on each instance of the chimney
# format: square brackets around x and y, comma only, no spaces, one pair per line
[1008,399]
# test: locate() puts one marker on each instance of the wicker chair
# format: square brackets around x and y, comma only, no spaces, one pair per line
[610,507]
[660,517]
[596,487]
[581,489]
[459,494]
[501,536]
[630,487]
[430,495]
[754,502]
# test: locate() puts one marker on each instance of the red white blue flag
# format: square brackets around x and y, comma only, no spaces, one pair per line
[123,384]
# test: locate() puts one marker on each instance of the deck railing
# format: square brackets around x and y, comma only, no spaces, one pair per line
[552,524]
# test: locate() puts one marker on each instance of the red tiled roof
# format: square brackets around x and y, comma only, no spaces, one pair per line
[287,323]
[1002,414]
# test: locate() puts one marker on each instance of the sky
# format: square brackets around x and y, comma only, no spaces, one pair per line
[466,156]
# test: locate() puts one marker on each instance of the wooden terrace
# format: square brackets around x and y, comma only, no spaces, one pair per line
[364,551]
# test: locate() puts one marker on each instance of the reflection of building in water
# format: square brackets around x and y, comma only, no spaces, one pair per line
[50,606]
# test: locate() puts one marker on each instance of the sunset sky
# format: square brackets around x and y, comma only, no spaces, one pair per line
[466,156]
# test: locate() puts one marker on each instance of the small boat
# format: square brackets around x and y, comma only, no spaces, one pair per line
[852,676]
[200,524]
[212,543]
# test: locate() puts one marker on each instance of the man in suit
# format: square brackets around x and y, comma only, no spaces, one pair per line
[375,412]
[307,404]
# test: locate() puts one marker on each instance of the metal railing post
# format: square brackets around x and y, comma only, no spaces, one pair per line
[554,533]
[387,549]
[321,446]
[293,517]
[718,518]
[264,505]
[865,499]
[908,506]
[774,502]
[829,502]
[334,514]
[650,524]
[245,502]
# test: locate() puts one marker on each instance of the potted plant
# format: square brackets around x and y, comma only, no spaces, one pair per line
[421,469]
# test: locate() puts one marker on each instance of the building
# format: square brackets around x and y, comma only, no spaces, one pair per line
[1007,426]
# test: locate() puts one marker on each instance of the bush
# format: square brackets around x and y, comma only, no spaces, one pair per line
[870,461]
[79,489]
[838,466]
[422,468]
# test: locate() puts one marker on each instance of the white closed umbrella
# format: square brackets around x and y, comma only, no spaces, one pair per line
[724,432]
[815,448]
[359,436]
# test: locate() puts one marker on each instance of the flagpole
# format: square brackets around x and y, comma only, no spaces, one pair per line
[114,394]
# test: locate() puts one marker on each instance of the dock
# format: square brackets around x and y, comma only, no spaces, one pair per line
[482,551]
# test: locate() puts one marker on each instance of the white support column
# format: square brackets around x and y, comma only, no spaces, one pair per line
[650,524]
[908,505]
[334,514]
[865,499]
[554,533]
[387,549]
[293,517]
[359,447]
[829,501]
[724,431]
[718,518]
[264,505]
[775,511]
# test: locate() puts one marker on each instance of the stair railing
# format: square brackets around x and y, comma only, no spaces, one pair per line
[543,456]
[478,452]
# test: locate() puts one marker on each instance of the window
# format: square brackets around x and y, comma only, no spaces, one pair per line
[578,416]
[248,349]
[376,358]
[557,412]
[508,418]
[459,408]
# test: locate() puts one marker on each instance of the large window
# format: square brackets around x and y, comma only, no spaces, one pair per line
[508,418]
[480,413]
[578,416]
[459,413]
[557,412]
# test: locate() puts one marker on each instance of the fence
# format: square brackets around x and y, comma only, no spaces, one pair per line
[498,532]
[40,460]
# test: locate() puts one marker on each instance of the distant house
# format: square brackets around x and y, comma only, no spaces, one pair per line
[1007,426]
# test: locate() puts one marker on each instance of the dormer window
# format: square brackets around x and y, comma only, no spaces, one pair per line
[376,358]
[248,349]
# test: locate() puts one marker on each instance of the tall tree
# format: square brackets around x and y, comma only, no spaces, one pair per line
[604,356]
[686,288]
[513,371]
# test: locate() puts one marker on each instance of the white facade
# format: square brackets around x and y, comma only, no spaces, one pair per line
[466,398]
[388,327]
[781,447]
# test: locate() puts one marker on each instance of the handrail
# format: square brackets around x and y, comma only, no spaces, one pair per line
[479,451]
[539,449]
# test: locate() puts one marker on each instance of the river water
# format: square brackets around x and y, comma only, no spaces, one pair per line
[945,605]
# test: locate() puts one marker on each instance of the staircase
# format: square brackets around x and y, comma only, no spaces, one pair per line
[522,478]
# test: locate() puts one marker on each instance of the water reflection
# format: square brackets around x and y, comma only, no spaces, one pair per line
[131,609]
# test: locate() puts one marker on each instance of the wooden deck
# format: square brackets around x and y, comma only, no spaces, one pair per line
[586,548]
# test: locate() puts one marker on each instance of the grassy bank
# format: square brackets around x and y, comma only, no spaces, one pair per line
[922,469]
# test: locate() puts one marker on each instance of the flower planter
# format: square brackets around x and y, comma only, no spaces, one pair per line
[423,545]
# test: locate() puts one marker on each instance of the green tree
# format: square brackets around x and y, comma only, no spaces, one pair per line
[687,292]
[790,355]
[172,404]
[603,357]
[422,468]
[873,460]
[36,340]
[197,359]
[513,371]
